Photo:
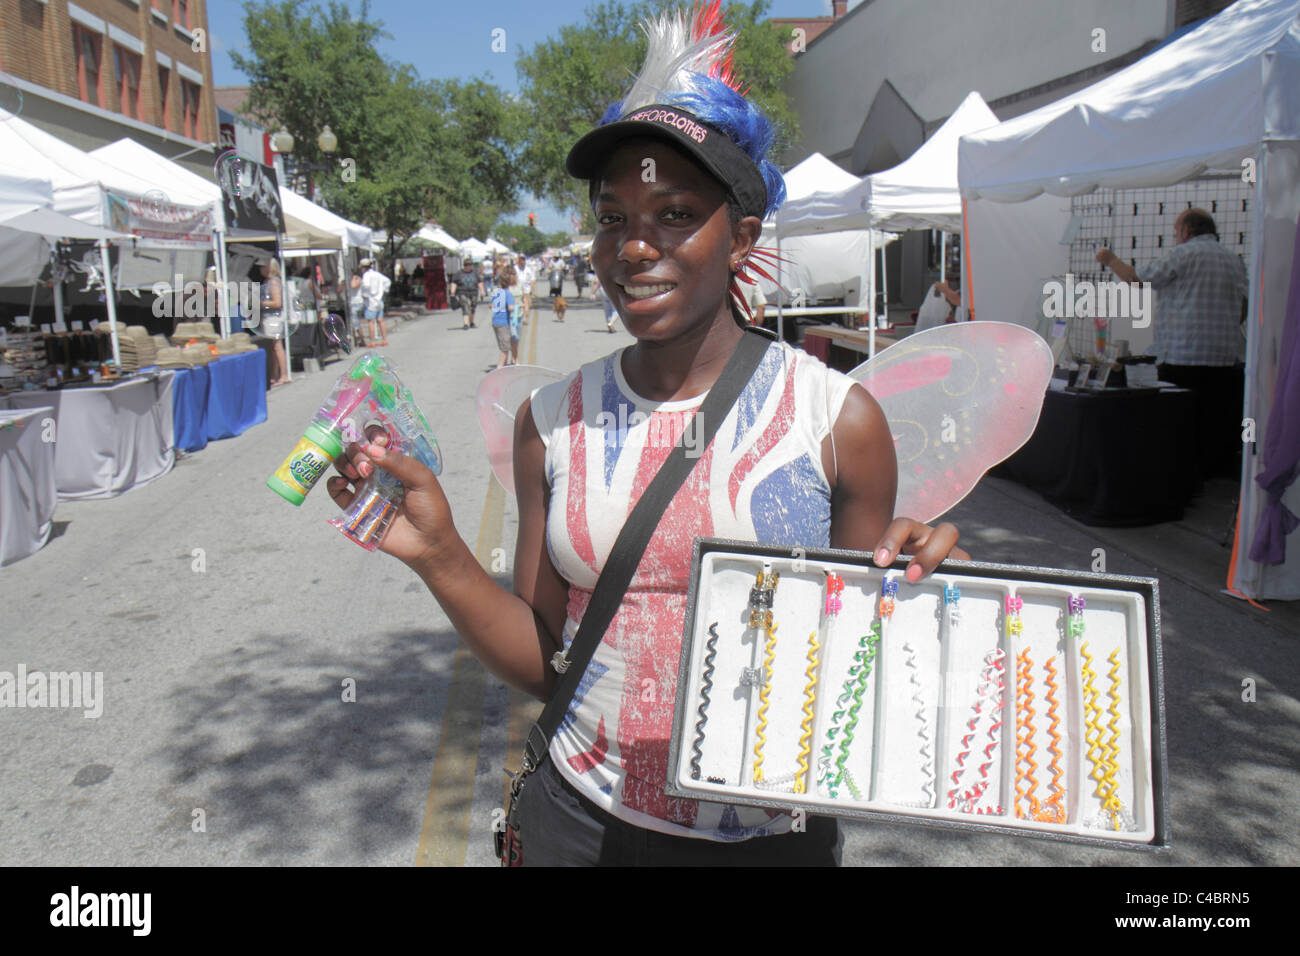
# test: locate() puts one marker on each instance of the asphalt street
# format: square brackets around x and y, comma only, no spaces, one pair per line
[230,627]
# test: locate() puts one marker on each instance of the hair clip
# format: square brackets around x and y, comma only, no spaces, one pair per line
[1014,604]
[951,594]
[1074,624]
[834,588]
[710,652]
[762,596]
[888,587]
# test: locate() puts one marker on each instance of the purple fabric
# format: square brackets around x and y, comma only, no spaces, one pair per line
[1282,443]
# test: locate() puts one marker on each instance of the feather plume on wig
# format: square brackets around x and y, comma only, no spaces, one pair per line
[688,64]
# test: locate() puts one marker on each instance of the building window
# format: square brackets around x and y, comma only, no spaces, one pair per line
[164,81]
[126,66]
[181,13]
[190,93]
[85,47]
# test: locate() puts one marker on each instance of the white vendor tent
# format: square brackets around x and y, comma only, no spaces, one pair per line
[473,249]
[819,263]
[99,194]
[438,236]
[27,223]
[1223,97]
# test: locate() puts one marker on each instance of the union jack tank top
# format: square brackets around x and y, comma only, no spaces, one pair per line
[761,479]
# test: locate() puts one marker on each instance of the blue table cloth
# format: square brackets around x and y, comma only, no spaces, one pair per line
[222,399]
[190,409]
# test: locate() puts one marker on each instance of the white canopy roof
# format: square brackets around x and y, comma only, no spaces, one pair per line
[80,180]
[315,227]
[438,236]
[28,219]
[1204,102]
[473,249]
[919,193]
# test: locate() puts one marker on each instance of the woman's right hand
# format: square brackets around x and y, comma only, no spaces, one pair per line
[423,526]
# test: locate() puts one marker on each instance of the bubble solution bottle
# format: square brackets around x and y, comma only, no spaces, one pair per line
[322,441]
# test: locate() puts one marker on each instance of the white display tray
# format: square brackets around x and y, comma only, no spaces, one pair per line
[930,737]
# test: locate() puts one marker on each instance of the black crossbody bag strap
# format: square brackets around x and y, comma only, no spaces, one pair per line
[632,540]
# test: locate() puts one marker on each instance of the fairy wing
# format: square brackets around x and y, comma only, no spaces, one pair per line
[959,399]
[498,399]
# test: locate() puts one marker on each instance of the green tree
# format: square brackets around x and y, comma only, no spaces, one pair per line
[522,237]
[569,81]
[408,150]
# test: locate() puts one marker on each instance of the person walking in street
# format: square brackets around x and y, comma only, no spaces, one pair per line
[374,286]
[466,290]
[1198,332]
[579,270]
[356,307]
[503,307]
[527,276]
[608,305]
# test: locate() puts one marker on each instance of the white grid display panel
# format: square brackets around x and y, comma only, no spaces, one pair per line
[1138,226]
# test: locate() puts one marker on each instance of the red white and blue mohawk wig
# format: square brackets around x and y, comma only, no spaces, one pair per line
[687,94]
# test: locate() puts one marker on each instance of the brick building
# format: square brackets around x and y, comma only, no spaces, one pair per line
[94,71]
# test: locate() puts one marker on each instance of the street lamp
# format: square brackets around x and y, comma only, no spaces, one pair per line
[327,141]
[282,142]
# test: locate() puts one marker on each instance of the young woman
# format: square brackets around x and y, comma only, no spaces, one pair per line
[804,458]
[272,317]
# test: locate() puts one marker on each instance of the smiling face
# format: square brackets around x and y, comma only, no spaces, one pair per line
[663,249]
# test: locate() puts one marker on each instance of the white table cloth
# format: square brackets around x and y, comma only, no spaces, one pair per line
[27,487]
[109,438]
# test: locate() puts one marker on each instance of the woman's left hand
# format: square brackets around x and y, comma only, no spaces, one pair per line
[928,545]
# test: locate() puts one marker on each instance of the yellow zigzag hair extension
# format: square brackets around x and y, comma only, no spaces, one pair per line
[1110,800]
[763,702]
[810,697]
[1091,716]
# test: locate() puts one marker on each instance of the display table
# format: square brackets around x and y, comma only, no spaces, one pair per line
[27,486]
[109,438]
[219,400]
[1114,457]
[842,349]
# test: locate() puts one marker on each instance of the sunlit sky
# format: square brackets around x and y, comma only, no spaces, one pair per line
[444,39]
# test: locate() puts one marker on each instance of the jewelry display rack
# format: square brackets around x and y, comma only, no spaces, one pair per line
[996,697]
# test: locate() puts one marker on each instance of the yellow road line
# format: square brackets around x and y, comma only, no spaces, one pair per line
[444,834]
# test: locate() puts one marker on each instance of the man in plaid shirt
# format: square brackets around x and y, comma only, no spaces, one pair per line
[1199,312]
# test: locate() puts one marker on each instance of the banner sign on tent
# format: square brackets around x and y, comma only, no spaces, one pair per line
[155,218]
[250,194]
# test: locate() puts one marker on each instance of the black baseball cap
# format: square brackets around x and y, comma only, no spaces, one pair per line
[711,147]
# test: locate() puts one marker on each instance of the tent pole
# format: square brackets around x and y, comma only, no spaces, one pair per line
[57,288]
[780,315]
[284,309]
[884,285]
[223,300]
[109,297]
[943,255]
[871,293]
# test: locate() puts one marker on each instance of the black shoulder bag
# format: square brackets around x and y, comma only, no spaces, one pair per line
[616,575]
